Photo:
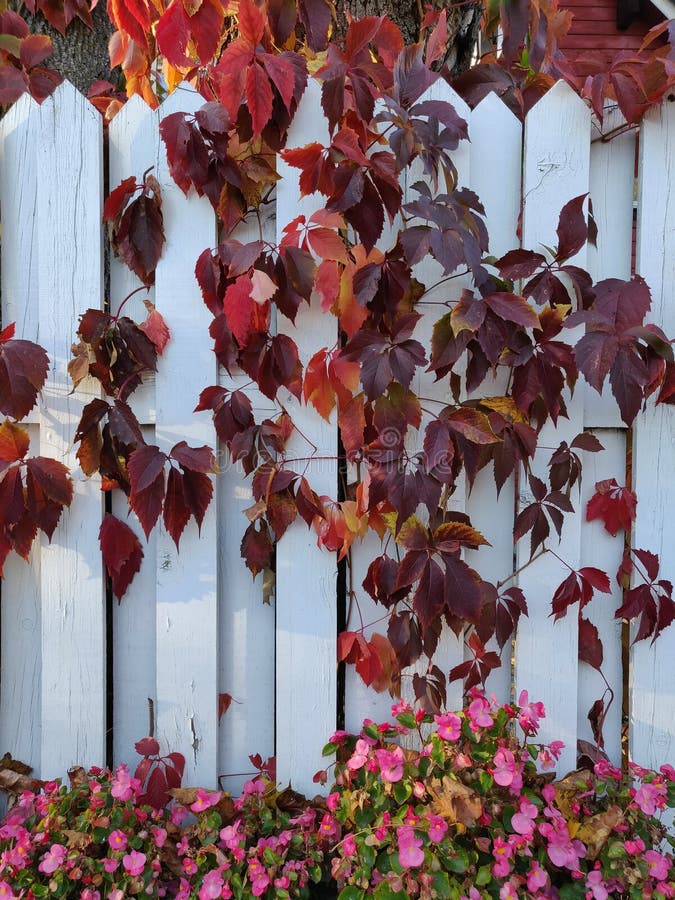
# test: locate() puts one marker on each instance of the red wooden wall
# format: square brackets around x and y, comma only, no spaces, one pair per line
[594,29]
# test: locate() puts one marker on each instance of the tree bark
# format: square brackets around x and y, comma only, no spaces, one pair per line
[463,24]
[81,55]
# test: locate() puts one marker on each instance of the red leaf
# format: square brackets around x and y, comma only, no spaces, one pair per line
[139,239]
[45,477]
[155,328]
[317,388]
[198,459]
[251,22]
[438,40]
[316,17]
[13,83]
[256,547]
[258,97]
[122,553]
[117,199]
[172,32]
[590,645]
[146,475]
[224,703]
[176,510]
[572,228]
[23,370]
[615,505]
[14,443]
[157,791]
[238,305]
[147,747]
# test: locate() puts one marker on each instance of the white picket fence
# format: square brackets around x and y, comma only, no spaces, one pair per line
[193,624]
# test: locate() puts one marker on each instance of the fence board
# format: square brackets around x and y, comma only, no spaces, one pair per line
[306,584]
[187,608]
[132,148]
[555,169]
[450,651]
[600,549]
[247,635]
[612,181]
[496,178]
[70,180]
[653,667]
[20,635]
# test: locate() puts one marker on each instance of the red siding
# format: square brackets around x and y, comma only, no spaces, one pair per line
[594,29]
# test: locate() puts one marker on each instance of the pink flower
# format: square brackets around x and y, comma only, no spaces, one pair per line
[159,836]
[333,801]
[178,814]
[502,851]
[349,846]
[437,828]
[53,859]
[391,764]
[659,866]
[523,821]
[650,797]
[529,714]
[358,758]
[282,883]
[338,737]
[562,851]
[508,892]
[212,885]
[260,885]
[189,866]
[536,877]
[635,847]
[122,788]
[410,853]
[479,714]
[505,769]
[548,755]
[231,835]
[328,827]
[6,892]
[134,862]
[596,886]
[110,865]
[117,840]
[205,800]
[402,706]
[449,726]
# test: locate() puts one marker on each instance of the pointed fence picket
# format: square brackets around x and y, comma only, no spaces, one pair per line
[555,170]
[652,738]
[20,632]
[69,166]
[132,149]
[193,624]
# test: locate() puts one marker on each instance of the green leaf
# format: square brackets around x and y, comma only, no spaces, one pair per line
[572,892]
[407,719]
[484,876]
[372,732]
[329,749]
[351,893]
[442,884]
[384,892]
[402,791]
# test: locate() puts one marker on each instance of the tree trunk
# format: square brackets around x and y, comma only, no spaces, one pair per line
[463,23]
[81,55]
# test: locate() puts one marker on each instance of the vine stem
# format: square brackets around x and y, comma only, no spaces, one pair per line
[126,299]
[522,568]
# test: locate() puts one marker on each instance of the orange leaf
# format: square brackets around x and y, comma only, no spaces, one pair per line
[317,388]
